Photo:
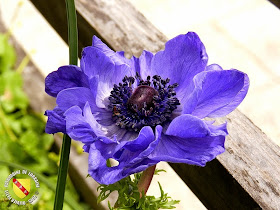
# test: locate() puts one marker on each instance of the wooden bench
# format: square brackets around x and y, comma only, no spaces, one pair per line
[246,176]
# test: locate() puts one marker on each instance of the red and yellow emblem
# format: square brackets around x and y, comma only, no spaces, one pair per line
[21,187]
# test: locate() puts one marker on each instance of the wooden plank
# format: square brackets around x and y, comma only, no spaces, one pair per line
[251,158]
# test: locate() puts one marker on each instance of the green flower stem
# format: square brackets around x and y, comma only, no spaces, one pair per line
[72,32]
[145,180]
[62,172]
[68,198]
[66,144]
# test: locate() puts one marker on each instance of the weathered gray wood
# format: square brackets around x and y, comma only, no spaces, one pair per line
[251,158]
[121,25]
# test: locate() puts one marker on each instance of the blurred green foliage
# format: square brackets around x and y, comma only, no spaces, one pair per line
[22,137]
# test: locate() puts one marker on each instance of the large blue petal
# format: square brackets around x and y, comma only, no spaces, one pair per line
[84,126]
[56,121]
[187,126]
[79,126]
[141,155]
[217,130]
[96,63]
[216,93]
[101,151]
[184,57]
[194,151]
[142,65]
[97,162]
[65,77]
[75,97]
[146,136]
[145,64]
[117,58]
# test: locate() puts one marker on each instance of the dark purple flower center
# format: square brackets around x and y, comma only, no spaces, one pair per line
[142,97]
[149,104]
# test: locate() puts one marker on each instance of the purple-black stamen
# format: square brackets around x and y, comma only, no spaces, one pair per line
[149,104]
[142,97]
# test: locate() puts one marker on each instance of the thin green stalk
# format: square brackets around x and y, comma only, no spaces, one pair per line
[68,198]
[66,144]
[72,32]
[62,172]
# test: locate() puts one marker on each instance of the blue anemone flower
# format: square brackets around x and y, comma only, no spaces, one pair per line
[141,111]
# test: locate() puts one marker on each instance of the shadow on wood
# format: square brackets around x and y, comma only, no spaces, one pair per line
[214,186]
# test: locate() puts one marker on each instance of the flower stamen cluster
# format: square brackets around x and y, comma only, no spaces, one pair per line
[151,103]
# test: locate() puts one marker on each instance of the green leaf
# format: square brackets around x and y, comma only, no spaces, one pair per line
[17,152]
[31,122]
[13,97]
[5,153]
[47,141]
[7,54]
[29,140]
[2,85]
[4,173]
[14,123]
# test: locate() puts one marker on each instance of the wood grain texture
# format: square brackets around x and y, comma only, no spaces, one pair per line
[246,176]
[121,25]
[253,160]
